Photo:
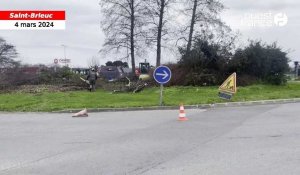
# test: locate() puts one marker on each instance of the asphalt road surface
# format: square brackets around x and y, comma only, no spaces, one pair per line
[256,140]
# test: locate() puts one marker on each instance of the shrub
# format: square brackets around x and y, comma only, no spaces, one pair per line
[206,64]
[265,62]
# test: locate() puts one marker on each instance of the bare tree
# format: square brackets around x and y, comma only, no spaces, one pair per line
[204,19]
[157,18]
[123,25]
[7,54]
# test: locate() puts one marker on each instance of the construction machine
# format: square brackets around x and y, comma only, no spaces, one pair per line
[143,71]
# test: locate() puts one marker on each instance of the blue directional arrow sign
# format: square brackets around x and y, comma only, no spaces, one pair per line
[162,74]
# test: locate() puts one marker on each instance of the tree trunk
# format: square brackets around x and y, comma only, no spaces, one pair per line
[189,45]
[159,34]
[132,19]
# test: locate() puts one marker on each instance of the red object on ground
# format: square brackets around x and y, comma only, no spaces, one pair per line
[182,115]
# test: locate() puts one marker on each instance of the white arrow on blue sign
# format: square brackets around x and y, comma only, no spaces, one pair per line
[162,74]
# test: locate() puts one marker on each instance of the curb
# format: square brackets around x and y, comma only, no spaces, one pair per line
[200,106]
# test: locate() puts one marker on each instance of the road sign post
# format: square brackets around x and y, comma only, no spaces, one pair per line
[161,95]
[162,75]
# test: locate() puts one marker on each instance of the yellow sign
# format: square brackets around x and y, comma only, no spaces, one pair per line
[229,85]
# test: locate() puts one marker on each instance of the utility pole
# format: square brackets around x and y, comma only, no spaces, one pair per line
[296,69]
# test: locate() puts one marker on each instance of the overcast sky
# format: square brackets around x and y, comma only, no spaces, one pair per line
[83,36]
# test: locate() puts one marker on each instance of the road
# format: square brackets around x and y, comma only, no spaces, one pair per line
[255,140]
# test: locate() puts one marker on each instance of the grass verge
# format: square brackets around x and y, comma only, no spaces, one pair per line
[47,101]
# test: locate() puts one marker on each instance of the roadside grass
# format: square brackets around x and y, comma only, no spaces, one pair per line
[46,101]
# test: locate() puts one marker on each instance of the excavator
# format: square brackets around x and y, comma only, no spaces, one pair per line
[143,72]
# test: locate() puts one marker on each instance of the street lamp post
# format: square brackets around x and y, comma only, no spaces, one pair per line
[65,57]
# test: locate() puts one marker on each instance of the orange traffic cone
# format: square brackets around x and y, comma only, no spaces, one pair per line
[182,115]
[82,113]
